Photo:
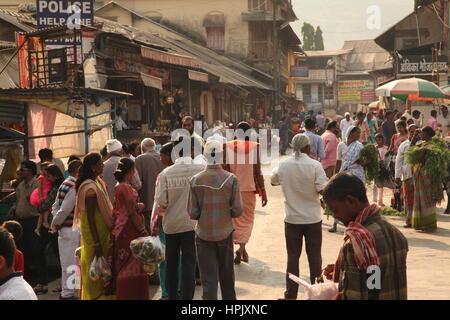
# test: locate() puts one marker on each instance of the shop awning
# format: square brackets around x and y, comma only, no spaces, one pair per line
[151,81]
[169,58]
[198,76]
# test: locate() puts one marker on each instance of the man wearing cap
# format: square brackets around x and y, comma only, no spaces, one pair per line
[302,180]
[214,200]
[345,124]
[114,149]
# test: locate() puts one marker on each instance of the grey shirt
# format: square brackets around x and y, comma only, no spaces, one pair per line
[149,166]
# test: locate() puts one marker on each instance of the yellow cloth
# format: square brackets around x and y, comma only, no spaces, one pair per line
[92,290]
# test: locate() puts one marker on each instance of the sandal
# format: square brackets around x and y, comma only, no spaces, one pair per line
[40,289]
[237,260]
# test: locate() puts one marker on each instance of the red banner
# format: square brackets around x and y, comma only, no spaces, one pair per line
[23,57]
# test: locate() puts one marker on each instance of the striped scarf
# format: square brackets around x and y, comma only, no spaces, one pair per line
[64,188]
[362,240]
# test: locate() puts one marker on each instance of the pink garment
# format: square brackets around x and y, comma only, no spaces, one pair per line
[433,123]
[123,192]
[157,210]
[243,225]
[382,151]
[46,187]
[330,144]
[241,163]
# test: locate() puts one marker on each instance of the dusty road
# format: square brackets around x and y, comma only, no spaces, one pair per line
[264,276]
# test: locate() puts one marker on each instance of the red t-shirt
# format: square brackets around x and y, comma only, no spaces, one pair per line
[18,262]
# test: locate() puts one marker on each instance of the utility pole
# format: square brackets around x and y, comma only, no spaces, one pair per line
[276,59]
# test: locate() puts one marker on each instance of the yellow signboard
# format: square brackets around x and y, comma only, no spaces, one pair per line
[356,90]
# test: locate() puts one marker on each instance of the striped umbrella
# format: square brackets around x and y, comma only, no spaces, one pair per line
[410,89]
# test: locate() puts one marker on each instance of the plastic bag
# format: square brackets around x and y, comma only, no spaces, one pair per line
[321,291]
[149,250]
[100,269]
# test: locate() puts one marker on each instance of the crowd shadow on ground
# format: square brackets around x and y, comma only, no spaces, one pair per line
[258,272]
[428,243]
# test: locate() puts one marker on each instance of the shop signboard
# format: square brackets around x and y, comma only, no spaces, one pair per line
[299,72]
[356,90]
[53,13]
[421,64]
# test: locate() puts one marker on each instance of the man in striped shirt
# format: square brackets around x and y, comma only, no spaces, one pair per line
[68,239]
[214,200]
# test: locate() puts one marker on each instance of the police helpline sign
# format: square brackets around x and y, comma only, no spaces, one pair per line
[53,13]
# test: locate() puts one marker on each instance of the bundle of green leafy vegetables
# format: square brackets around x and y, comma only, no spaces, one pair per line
[385,211]
[369,156]
[434,158]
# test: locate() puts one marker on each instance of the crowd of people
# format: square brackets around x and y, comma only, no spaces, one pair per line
[339,146]
[201,205]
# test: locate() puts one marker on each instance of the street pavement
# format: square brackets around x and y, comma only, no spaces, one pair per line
[263,278]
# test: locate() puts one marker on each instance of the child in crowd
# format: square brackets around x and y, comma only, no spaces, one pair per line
[15,229]
[382,150]
[39,195]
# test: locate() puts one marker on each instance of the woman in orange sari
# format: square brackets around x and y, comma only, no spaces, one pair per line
[241,157]
[131,280]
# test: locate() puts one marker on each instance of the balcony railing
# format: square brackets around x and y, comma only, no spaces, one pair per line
[261,50]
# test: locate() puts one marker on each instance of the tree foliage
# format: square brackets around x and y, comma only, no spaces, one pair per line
[308,34]
[318,39]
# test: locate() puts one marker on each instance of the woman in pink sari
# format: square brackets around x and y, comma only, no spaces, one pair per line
[131,279]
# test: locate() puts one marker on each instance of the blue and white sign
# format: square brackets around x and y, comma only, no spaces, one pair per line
[53,13]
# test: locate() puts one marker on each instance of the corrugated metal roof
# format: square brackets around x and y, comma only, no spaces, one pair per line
[366,56]
[208,60]
[21,21]
[9,78]
[324,53]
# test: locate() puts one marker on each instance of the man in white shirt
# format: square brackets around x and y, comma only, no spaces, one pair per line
[12,284]
[172,195]
[302,179]
[444,121]
[68,239]
[403,174]
[346,123]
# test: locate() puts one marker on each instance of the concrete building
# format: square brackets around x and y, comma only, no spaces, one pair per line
[315,76]
[243,29]
[356,82]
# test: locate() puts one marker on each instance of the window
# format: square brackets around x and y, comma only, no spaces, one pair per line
[320,93]
[215,38]
[260,37]
[329,93]
[257,5]
[307,93]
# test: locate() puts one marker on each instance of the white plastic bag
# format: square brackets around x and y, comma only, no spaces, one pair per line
[149,250]
[321,291]
[100,269]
